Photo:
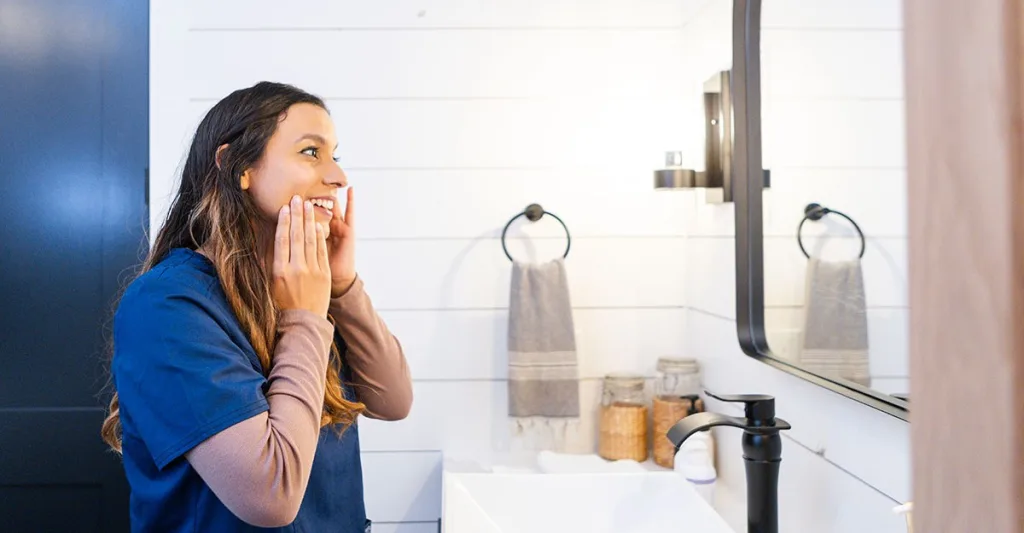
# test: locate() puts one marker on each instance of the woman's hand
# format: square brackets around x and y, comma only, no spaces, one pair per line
[301,270]
[341,247]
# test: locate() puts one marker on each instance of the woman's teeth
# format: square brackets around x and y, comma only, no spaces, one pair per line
[326,204]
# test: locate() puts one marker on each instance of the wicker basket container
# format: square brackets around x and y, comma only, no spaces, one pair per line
[623,432]
[667,411]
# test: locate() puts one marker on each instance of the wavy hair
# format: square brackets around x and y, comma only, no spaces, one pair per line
[211,209]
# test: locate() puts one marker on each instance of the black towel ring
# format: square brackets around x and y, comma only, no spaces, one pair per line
[534,212]
[815,212]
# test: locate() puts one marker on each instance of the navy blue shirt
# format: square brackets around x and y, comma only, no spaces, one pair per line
[184,370]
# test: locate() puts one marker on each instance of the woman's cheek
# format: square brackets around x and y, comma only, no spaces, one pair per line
[269,202]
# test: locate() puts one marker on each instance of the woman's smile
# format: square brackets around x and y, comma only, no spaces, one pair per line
[323,206]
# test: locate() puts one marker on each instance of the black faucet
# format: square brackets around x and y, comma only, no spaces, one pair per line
[762,451]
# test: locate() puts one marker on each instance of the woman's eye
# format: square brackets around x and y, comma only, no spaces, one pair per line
[311,151]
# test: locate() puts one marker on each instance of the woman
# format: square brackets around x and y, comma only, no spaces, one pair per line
[247,347]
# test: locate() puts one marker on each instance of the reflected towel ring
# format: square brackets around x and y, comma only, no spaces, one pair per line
[534,212]
[816,212]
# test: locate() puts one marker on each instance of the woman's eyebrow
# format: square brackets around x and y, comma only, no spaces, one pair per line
[314,137]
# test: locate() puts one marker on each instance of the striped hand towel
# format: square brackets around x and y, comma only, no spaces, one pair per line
[543,374]
[835,321]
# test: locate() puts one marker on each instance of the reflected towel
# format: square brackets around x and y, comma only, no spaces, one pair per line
[835,331]
[543,374]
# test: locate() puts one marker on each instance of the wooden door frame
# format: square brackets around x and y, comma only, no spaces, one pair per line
[965,110]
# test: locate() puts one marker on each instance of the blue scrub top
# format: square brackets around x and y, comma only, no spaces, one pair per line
[184,370]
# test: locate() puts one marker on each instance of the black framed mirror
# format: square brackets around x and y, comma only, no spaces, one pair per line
[842,359]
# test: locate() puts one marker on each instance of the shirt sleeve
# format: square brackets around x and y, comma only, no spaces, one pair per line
[179,375]
[379,367]
[260,467]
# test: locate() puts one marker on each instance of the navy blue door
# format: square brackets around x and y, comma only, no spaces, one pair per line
[73,155]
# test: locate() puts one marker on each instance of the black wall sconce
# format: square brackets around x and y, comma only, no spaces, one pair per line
[717,176]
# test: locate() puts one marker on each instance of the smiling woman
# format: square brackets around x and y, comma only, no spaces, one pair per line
[298,162]
[247,347]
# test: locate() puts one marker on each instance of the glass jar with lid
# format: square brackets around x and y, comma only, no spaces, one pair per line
[676,396]
[623,389]
[677,377]
[623,423]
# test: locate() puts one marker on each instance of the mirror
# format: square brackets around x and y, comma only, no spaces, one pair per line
[822,253]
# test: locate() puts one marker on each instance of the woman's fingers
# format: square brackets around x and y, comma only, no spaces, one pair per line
[336,210]
[281,240]
[350,209]
[302,280]
[298,241]
[311,237]
[322,258]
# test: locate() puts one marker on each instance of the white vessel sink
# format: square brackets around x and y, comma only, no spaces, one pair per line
[523,501]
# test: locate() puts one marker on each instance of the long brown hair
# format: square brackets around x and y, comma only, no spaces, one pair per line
[211,209]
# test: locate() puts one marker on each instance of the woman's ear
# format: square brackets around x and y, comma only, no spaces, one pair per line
[216,157]
[244,181]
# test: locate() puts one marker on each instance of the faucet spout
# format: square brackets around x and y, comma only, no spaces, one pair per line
[697,422]
[690,425]
[762,452]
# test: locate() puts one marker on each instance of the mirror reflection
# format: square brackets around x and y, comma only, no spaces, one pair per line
[834,219]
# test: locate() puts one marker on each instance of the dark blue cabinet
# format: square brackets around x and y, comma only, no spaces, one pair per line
[74,85]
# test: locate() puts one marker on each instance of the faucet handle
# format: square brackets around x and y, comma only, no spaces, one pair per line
[739,397]
[756,407]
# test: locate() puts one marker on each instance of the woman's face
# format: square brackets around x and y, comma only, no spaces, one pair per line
[298,160]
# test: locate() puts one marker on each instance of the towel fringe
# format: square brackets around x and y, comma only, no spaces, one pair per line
[537,433]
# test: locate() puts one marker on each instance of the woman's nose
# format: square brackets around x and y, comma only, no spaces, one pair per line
[336,176]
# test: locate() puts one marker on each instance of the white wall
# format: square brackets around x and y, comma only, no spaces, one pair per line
[833,133]
[452,118]
[487,107]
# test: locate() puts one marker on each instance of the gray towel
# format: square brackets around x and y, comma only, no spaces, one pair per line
[543,375]
[835,332]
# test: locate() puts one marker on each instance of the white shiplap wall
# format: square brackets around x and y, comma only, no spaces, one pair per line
[486,107]
[452,117]
[833,134]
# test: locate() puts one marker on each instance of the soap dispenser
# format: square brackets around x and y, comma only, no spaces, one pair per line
[693,462]
[762,452]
